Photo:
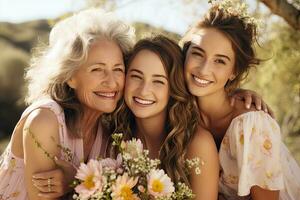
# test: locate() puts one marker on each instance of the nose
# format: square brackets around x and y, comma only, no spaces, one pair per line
[144,89]
[203,68]
[109,80]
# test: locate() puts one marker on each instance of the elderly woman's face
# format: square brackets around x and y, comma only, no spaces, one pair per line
[99,82]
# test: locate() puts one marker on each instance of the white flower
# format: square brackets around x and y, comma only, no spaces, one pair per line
[159,184]
[133,147]
[122,189]
[91,179]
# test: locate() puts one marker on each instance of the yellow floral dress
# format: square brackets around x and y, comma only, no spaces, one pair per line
[252,153]
[12,181]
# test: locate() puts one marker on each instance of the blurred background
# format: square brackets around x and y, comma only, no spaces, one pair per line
[24,24]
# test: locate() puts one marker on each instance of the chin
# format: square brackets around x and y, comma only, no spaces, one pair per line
[142,115]
[107,109]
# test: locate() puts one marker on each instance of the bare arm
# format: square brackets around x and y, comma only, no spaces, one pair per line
[43,126]
[205,184]
[258,193]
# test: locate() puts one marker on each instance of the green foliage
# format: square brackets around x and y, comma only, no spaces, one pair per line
[278,80]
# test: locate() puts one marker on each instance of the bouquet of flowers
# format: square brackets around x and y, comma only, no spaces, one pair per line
[132,176]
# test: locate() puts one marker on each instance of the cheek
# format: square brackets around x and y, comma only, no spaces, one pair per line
[130,86]
[164,94]
[121,80]
[223,75]
[188,68]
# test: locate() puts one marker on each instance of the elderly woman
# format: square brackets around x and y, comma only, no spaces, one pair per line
[73,82]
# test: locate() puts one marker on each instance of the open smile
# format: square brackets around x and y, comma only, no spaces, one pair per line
[144,102]
[201,82]
[108,95]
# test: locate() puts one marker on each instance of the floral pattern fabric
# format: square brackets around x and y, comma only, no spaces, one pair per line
[252,153]
[12,182]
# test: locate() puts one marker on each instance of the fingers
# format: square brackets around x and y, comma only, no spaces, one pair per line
[264,107]
[248,100]
[232,101]
[47,174]
[52,190]
[44,182]
[259,104]
[50,195]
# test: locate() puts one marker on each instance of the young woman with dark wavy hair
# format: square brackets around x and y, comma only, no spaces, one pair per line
[255,163]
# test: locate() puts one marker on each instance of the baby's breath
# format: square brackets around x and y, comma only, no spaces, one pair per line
[195,163]
[238,9]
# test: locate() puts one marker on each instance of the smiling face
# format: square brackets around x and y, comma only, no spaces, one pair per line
[209,62]
[147,86]
[99,82]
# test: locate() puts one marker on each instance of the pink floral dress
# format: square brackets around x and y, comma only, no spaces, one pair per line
[12,183]
[252,153]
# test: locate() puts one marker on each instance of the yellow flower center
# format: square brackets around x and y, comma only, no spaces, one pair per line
[126,193]
[242,139]
[157,186]
[267,144]
[88,182]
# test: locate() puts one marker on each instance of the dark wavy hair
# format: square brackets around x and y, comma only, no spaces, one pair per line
[182,117]
[241,34]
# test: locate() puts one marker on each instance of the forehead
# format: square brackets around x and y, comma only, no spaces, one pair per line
[212,41]
[105,49]
[148,62]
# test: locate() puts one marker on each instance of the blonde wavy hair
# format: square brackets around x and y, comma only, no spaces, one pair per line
[70,39]
[182,118]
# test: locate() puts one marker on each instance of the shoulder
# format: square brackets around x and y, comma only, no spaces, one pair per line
[42,123]
[201,143]
[42,118]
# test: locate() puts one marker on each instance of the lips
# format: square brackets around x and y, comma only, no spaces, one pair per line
[109,95]
[201,82]
[144,102]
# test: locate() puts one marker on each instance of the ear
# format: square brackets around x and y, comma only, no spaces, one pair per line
[72,83]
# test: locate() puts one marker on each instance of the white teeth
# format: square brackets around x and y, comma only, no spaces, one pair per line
[201,81]
[142,101]
[106,94]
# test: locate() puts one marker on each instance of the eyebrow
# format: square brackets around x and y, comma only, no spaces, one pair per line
[154,75]
[197,48]
[103,64]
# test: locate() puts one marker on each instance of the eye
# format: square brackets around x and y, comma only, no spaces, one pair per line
[119,69]
[136,77]
[159,82]
[97,69]
[197,54]
[220,61]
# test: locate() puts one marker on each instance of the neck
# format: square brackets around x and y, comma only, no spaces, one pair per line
[152,132]
[89,122]
[214,107]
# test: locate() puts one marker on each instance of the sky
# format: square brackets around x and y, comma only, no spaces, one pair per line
[172,15]
[168,14]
